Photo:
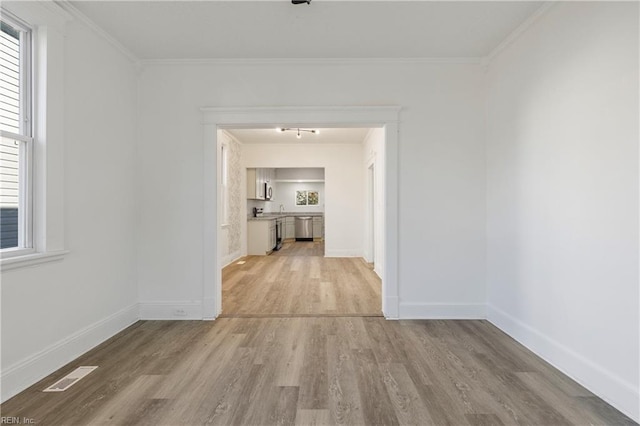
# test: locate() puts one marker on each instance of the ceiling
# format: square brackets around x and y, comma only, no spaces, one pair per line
[276,29]
[326,136]
[324,29]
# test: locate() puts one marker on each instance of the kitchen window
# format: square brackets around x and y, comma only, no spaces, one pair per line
[16,143]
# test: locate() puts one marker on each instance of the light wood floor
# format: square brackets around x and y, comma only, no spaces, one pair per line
[298,280]
[329,370]
[298,349]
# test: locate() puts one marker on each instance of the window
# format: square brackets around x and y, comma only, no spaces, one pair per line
[16,144]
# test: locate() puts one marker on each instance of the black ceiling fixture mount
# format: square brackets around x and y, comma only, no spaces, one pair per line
[299,130]
[300,1]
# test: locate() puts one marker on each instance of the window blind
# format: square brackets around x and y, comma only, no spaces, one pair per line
[9,79]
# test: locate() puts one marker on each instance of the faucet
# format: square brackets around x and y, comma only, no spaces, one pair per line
[281,208]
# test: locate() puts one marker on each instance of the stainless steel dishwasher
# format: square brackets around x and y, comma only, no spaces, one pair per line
[304,228]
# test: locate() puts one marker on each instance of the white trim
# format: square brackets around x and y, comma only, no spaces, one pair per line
[230,258]
[520,29]
[30,370]
[310,61]
[442,310]
[390,262]
[215,118]
[89,23]
[39,13]
[31,259]
[209,305]
[615,390]
[377,271]
[48,22]
[391,306]
[240,117]
[171,310]
[343,253]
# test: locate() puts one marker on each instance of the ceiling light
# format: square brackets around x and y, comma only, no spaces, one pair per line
[298,131]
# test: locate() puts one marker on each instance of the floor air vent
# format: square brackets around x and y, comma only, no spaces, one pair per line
[70,379]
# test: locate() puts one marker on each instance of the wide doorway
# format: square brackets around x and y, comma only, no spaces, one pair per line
[341,263]
[295,240]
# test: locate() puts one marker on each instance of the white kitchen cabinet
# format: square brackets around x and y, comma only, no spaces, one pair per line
[261,237]
[260,183]
[318,227]
[256,178]
[289,227]
[253,184]
[272,235]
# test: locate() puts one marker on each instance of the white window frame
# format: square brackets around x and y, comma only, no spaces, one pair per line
[25,197]
[25,140]
[48,22]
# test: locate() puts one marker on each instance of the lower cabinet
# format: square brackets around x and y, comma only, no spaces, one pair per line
[261,237]
[318,227]
[289,228]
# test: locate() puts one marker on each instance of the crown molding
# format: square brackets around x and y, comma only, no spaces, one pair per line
[520,29]
[311,61]
[37,13]
[77,14]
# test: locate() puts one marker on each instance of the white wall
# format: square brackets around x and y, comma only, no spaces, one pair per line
[311,173]
[54,312]
[285,195]
[343,198]
[441,155]
[374,156]
[562,191]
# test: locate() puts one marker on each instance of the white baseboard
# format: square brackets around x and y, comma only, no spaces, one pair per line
[171,310]
[442,311]
[390,307]
[377,271]
[611,388]
[230,258]
[30,370]
[342,253]
[208,309]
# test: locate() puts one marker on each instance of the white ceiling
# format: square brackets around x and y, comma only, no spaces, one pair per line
[323,29]
[326,136]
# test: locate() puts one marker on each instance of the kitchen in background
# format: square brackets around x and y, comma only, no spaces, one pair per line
[284,205]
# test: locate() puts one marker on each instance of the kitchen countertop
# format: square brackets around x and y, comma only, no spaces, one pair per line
[273,216]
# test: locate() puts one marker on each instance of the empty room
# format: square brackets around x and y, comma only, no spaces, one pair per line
[319,212]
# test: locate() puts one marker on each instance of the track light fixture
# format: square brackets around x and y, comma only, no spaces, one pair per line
[297,130]
[300,1]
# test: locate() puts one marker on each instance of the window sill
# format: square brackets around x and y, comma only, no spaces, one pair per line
[32,259]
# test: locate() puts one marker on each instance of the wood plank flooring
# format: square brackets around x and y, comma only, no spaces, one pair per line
[298,280]
[298,347]
[304,371]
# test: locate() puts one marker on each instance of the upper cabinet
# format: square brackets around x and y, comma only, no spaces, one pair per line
[256,180]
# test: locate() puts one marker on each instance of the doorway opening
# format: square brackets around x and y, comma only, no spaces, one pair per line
[383,119]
